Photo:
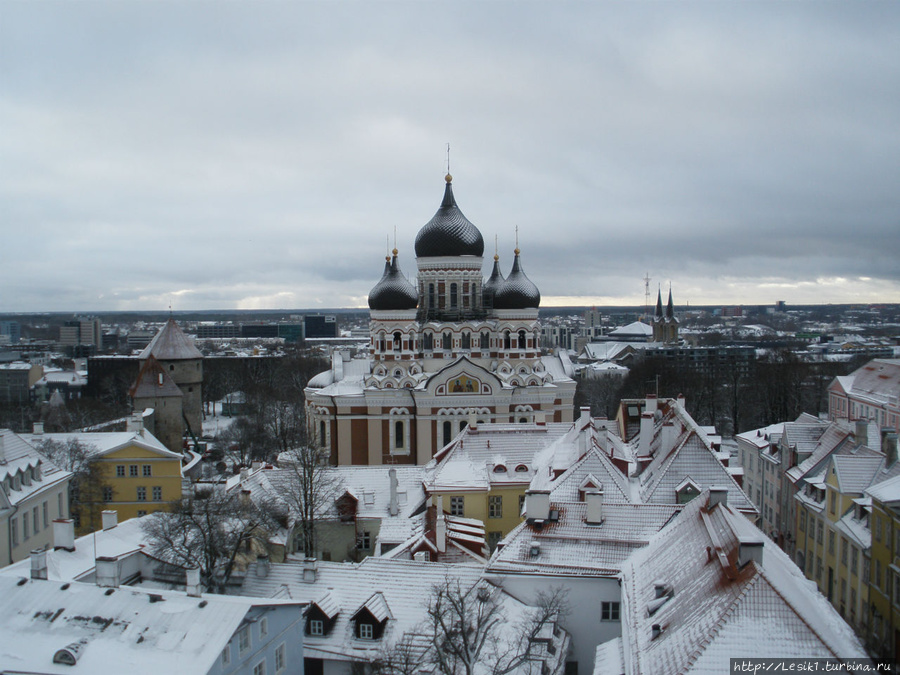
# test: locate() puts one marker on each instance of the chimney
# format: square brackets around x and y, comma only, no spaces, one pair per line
[245,473]
[192,582]
[107,571]
[256,465]
[750,549]
[646,434]
[650,405]
[540,419]
[680,402]
[38,428]
[537,504]
[393,505]
[420,556]
[667,439]
[309,570]
[473,420]
[262,565]
[109,519]
[889,447]
[717,495]
[39,563]
[64,534]
[585,417]
[135,422]
[440,533]
[862,432]
[594,500]
[602,438]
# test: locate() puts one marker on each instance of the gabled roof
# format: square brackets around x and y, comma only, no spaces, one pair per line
[101,443]
[855,473]
[171,344]
[377,606]
[597,467]
[328,604]
[154,382]
[721,606]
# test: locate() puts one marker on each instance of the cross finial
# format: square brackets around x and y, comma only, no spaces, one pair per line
[448,158]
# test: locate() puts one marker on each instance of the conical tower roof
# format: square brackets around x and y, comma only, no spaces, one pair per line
[449,232]
[393,291]
[171,344]
[154,382]
[670,308]
[518,291]
[494,282]
[659,310]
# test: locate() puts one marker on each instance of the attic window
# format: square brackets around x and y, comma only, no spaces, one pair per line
[521,469]
[500,468]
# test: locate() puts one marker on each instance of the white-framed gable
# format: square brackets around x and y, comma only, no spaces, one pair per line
[462,378]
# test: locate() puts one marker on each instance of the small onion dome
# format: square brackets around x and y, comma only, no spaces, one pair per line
[449,232]
[518,291]
[393,291]
[494,282]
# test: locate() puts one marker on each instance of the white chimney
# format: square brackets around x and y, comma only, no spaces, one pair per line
[667,439]
[646,434]
[393,505]
[192,582]
[109,519]
[473,420]
[585,417]
[107,571]
[262,565]
[717,495]
[39,563]
[602,438]
[135,422]
[750,549]
[594,501]
[680,402]
[540,419]
[245,473]
[38,428]
[537,504]
[256,465]
[64,534]
[420,556]
[440,533]
[309,570]
[650,404]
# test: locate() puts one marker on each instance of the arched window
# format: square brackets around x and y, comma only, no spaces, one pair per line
[521,339]
[466,341]
[454,299]
[447,341]
[322,433]
[398,434]
[447,431]
[398,340]
[474,295]
[430,296]
[429,341]
[507,341]
[523,420]
[485,340]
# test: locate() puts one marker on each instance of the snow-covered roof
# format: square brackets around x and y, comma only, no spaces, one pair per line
[717,602]
[100,443]
[878,382]
[634,328]
[120,630]
[37,472]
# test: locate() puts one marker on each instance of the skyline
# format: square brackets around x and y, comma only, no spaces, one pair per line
[206,156]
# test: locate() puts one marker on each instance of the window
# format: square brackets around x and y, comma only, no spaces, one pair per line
[446,338]
[260,668]
[365,631]
[157,493]
[322,433]
[853,559]
[36,520]
[447,432]
[844,546]
[148,470]
[877,528]
[398,341]
[428,342]
[398,434]
[521,503]
[485,340]
[609,611]
[316,627]
[107,494]
[832,502]
[280,658]
[802,520]
[141,512]
[831,542]
[466,340]
[25,533]
[521,339]
[59,504]
[142,494]
[14,531]
[507,340]
[820,532]
[494,539]
[263,627]
[457,505]
[226,655]
[133,470]
[244,639]
[365,541]
[454,299]
[120,471]
[46,508]
[495,506]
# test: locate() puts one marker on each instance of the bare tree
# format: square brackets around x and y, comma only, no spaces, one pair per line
[312,489]
[468,631]
[209,531]
[88,488]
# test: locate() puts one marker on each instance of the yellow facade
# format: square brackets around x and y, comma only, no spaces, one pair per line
[142,480]
[499,508]
[884,585]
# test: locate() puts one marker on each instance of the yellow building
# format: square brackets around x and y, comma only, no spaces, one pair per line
[883,637]
[136,474]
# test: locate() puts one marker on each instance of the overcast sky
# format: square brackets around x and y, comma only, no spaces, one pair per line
[214,155]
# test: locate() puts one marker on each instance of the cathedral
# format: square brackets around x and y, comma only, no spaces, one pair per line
[453,349]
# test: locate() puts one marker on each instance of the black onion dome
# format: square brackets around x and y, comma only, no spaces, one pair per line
[393,291]
[518,291]
[449,232]
[494,282]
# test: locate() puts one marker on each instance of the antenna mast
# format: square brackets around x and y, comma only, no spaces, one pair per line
[647,295]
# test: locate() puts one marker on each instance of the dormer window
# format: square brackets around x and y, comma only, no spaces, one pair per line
[499,468]
[521,469]
[366,631]
[686,491]
[370,619]
[316,627]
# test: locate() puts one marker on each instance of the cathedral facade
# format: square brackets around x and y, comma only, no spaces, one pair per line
[451,350]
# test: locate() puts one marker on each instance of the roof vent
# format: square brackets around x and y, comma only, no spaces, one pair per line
[69,655]
[717,495]
[751,549]
[655,631]
[534,549]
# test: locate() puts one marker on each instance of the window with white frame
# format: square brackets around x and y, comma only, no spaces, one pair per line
[263,627]
[157,493]
[457,506]
[226,655]
[495,506]
[260,668]
[280,658]
[244,639]
[365,631]
[316,627]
